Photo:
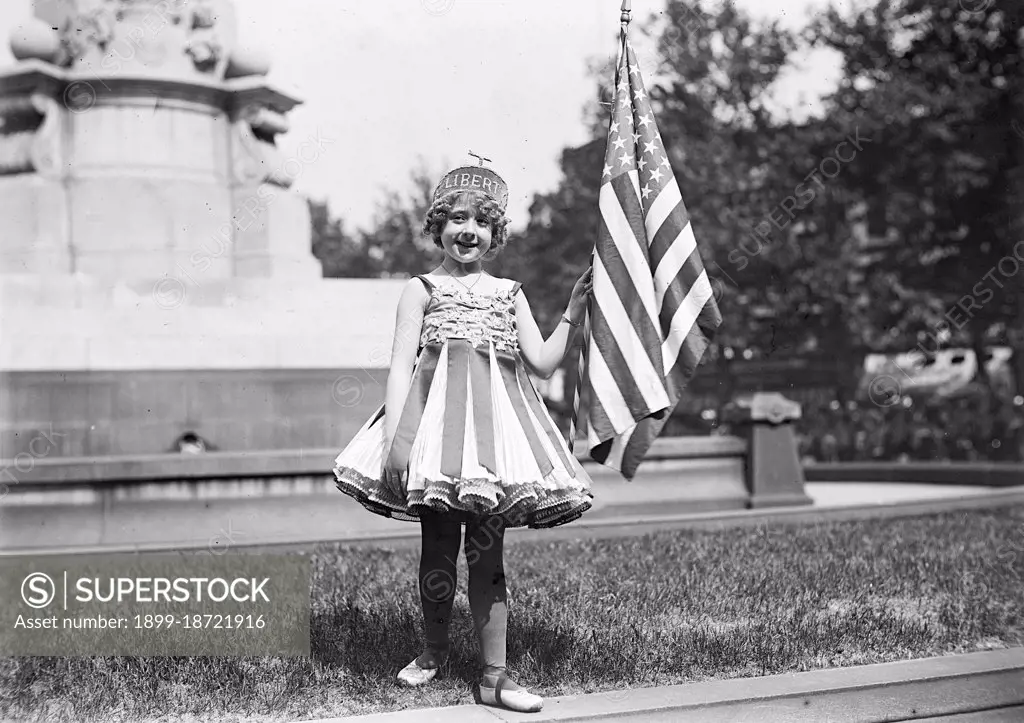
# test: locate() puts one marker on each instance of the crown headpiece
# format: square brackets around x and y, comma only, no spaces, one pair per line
[474,178]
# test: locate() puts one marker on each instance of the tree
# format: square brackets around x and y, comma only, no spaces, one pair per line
[396,241]
[559,238]
[936,86]
[339,253]
[393,246]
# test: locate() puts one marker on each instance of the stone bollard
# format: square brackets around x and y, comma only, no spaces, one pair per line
[775,477]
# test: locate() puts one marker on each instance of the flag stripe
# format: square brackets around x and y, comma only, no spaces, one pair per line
[641,439]
[667,201]
[622,247]
[690,353]
[581,375]
[684,312]
[617,339]
[617,448]
[626,202]
[623,275]
[680,265]
[667,233]
[599,417]
[593,441]
[608,365]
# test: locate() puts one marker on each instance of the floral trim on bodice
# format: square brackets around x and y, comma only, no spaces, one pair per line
[465,314]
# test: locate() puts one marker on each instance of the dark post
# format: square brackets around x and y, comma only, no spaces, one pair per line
[775,477]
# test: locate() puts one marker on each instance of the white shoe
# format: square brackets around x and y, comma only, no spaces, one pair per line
[413,675]
[520,700]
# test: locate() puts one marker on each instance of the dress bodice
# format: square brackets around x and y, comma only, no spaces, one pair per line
[453,313]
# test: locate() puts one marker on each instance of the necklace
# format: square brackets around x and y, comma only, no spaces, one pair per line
[468,287]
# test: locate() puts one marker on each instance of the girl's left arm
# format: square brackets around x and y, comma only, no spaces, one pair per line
[544,357]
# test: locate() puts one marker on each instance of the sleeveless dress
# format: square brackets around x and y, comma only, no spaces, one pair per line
[478,438]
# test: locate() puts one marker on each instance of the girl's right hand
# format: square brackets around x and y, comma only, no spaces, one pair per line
[392,469]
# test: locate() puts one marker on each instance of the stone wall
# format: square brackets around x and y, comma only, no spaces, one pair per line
[104,413]
[126,368]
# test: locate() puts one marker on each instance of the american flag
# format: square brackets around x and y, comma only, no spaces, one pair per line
[652,313]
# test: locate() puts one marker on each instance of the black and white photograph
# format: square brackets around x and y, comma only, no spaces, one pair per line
[511,360]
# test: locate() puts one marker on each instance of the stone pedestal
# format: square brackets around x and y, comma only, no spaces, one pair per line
[156,270]
[775,476]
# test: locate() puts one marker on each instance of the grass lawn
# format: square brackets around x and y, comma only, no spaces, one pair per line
[659,609]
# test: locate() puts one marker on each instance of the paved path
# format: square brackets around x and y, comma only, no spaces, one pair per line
[842,494]
[324,514]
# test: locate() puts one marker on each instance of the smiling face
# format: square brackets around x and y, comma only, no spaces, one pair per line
[467,235]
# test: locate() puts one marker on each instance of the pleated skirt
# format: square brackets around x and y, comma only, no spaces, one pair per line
[479,442]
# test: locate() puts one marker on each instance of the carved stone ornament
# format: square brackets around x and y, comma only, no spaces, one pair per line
[180,38]
[205,53]
[46,151]
[769,407]
[18,123]
[30,135]
[257,159]
[91,27]
[203,16]
[204,45]
[35,39]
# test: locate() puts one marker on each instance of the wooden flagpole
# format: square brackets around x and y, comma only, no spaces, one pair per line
[581,367]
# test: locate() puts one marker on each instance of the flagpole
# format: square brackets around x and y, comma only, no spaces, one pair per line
[581,366]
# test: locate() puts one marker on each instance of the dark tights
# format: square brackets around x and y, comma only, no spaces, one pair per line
[487,594]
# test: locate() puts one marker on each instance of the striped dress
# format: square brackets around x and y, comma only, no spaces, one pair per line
[476,433]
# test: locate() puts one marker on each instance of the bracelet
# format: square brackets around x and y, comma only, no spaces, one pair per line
[569,321]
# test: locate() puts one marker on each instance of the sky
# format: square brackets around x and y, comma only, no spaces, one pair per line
[389,84]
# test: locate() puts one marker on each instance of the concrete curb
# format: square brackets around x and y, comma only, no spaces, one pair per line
[983,474]
[950,685]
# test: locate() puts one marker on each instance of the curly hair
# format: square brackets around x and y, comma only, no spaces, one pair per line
[437,217]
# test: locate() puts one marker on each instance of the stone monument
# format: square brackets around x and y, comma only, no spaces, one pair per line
[156,276]
[775,477]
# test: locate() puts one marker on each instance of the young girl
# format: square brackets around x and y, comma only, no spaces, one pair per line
[463,437]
